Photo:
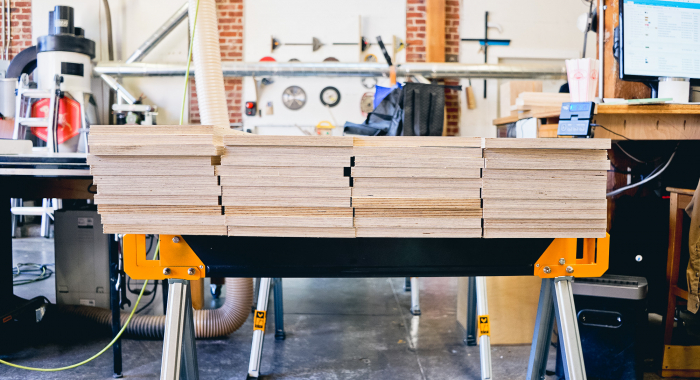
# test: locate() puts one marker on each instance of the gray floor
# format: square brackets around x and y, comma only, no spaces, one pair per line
[336,329]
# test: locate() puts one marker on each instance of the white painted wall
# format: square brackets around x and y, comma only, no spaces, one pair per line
[132,22]
[299,22]
[540,31]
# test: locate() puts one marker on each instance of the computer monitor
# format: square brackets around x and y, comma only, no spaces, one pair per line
[659,38]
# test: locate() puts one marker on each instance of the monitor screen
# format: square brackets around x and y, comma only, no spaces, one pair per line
[660,38]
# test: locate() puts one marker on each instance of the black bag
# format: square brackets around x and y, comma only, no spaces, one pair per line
[423,109]
[414,110]
[385,120]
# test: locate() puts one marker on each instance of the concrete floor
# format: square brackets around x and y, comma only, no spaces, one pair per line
[336,329]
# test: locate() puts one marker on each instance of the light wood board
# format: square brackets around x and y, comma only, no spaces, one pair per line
[417,141]
[161,210]
[163,219]
[420,192]
[279,171]
[287,160]
[429,223]
[414,183]
[547,143]
[157,180]
[136,189]
[416,172]
[419,162]
[430,203]
[258,140]
[530,164]
[154,150]
[515,175]
[164,230]
[490,233]
[269,181]
[254,201]
[544,223]
[163,200]
[289,221]
[290,211]
[434,152]
[419,232]
[536,204]
[551,194]
[288,192]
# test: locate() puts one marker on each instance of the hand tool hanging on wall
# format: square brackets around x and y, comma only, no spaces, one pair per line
[485,42]
[315,44]
[364,43]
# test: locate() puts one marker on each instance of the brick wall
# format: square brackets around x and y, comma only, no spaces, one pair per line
[230,17]
[452,30]
[452,100]
[415,51]
[20,26]
[415,30]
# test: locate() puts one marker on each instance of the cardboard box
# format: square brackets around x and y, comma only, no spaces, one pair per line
[512,307]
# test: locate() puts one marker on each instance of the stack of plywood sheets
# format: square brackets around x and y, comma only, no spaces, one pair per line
[157,179]
[287,186]
[417,186]
[545,188]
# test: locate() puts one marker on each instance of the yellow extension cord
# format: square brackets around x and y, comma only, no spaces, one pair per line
[133,310]
[182,113]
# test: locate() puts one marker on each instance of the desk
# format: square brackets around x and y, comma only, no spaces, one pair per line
[650,122]
[48,175]
[638,122]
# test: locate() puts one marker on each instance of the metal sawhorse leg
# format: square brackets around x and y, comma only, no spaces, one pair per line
[556,300]
[279,310]
[470,339]
[482,308]
[260,321]
[179,349]
[415,296]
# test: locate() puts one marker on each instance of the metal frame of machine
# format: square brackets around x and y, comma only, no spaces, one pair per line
[185,258]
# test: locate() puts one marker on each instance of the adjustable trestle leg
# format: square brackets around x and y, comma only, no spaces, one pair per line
[556,301]
[482,308]
[415,296]
[279,310]
[259,331]
[179,350]
[470,340]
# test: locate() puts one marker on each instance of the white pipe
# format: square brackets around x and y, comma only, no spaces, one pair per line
[159,34]
[213,110]
[116,86]
[206,55]
[336,69]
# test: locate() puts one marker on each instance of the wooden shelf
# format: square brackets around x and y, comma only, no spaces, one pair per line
[525,115]
[624,109]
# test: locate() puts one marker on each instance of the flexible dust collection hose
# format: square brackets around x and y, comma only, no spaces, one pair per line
[207,323]
[209,75]
[213,110]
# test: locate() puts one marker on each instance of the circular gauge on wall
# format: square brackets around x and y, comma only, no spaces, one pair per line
[330,96]
[369,82]
[294,97]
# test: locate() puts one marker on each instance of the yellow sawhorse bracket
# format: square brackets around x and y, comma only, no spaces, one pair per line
[176,261]
[560,258]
